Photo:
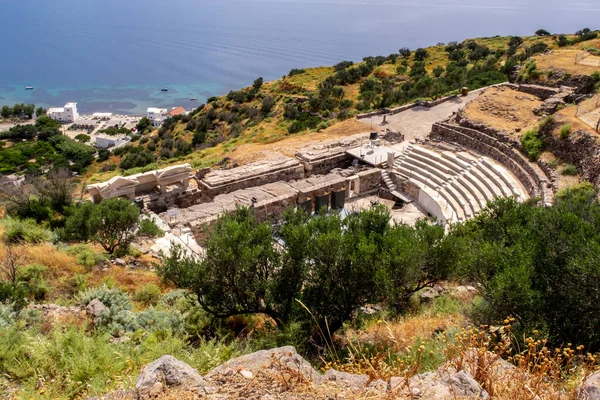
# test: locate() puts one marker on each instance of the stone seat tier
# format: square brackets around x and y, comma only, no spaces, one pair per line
[471,202]
[447,164]
[454,204]
[468,192]
[436,175]
[502,176]
[433,161]
[488,174]
[460,201]
[491,188]
[425,182]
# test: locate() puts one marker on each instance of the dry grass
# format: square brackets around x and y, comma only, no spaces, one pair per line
[562,181]
[504,109]
[568,116]
[564,60]
[289,145]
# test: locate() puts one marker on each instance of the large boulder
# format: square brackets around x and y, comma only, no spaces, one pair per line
[95,308]
[168,372]
[344,379]
[590,390]
[278,359]
[440,385]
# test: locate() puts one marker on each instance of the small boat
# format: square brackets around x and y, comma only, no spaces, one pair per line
[164,90]
[193,99]
[28,87]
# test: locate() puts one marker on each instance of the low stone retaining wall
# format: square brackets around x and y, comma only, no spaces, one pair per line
[392,111]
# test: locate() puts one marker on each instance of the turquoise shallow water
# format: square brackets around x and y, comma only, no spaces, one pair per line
[116,55]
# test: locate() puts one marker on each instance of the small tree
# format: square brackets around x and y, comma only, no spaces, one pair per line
[143,125]
[267,105]
[257,83]
[421,54]
[111,224]
[405,52]
[542,32]
[82,137]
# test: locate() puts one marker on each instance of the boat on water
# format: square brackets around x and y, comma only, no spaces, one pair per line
[28,87]
[164,90]
[193,99]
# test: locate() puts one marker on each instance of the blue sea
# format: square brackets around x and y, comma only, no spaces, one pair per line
[116,55]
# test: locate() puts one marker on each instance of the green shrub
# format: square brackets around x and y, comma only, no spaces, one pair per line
[148,228]
[32,277]
[86,256]
[111,297]
[24,231]
[149,294]
[569,170]
[82,365]
[532,144]
[565,131]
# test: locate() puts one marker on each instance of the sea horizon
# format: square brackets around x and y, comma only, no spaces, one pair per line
[116,57]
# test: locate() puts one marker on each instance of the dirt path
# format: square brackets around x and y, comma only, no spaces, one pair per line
[417,121]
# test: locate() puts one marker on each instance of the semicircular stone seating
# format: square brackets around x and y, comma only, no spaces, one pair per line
[460,183]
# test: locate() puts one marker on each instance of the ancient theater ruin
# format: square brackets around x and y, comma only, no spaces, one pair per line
[444,160]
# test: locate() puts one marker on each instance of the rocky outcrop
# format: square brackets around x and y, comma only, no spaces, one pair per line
[168,371]
[95,308]
[439,385]
[280,359]
[590,390]
[283,374]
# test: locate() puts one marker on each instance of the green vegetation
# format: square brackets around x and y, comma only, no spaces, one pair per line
[149,229]
[569,170]
[24,231]
[44,148]
[23,111]
[565,131]
[327,265]
[111,224]
[532,144]
[115,130]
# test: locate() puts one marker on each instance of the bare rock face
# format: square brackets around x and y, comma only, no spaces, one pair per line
[279,359]
[440,386]
[95,308]
[590,390]
[345,379]
[168,371]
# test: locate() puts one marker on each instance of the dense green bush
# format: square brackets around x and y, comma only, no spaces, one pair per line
[24,231]
[532,144]
[149,294]
[86,256]
[569,170]
[539,265]
[565,131]
[331,264]
[148,228]
[112,223]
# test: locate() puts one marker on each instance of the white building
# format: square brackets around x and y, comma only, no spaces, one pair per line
[68,113]
[106,141]
[157,116]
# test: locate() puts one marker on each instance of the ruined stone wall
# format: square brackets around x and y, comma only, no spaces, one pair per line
[406,186]
[284,174]
[179,199]
[326,164]
[369,180]
[580,149]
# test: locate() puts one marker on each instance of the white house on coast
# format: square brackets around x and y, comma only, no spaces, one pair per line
[157,116]
[68,113]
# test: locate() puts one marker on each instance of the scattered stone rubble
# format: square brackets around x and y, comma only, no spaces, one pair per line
[281,373]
